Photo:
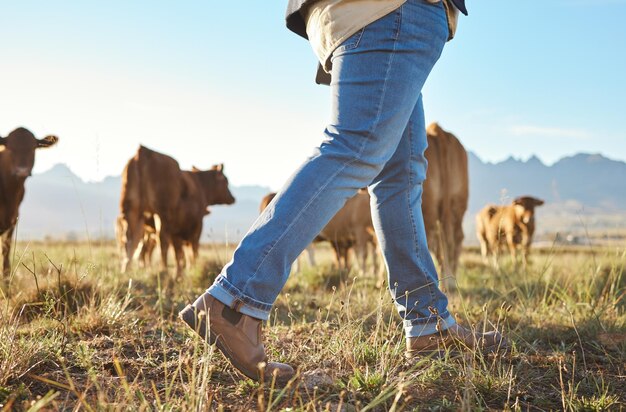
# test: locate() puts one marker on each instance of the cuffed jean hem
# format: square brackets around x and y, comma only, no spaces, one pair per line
[230,296]
[412,329]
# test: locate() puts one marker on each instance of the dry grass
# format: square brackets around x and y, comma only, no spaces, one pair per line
[75,334]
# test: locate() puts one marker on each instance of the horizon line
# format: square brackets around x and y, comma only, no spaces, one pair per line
[489,162]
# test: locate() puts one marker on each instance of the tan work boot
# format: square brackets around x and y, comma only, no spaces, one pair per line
[456,339]
[237,336]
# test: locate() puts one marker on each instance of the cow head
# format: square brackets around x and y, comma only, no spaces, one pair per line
[19,147]
[525,208]
[214,185]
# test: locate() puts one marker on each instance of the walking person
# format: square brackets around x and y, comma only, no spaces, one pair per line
[376,55]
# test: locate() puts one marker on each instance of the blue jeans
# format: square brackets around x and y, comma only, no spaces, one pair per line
[376,138]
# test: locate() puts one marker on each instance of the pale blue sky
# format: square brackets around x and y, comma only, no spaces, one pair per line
[220,81]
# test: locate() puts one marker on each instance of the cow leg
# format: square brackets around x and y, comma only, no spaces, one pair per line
[150,251]
[188,259]
[430,213]
[195,251]
[310,251]
[121,235]
[374,256]
[164,245]
[194,243]
[360,251]
[6,238]
[142,254]
[510,241]
[379,265]
[442,247]
[449,244]
[525,248]
[495,254]
[456,239]
[143,251]
[442,251]
[345,252]
[147,249]
[435,241]
[381,274]
[179,254]
[494,244]
[484,249]
[525,252]
[193,255]
[187,255]
[133,232]
[371,243]
[164,238]
[297,266]
[311,254]
[192,248]
[341,249]
[337,249]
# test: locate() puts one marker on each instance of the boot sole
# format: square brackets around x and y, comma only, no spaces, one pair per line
[189,316]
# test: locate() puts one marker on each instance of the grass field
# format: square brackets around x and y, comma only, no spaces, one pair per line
[77,335]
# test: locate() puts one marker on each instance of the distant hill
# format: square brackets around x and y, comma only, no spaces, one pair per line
[585,189]
[59,204]
[590,179]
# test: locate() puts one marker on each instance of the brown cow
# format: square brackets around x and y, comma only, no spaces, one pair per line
[309,249]
[444,200]
[513,224]
[17,158]
[154,186]
[350,228]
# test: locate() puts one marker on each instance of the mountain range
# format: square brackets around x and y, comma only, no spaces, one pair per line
[590,179]
[584,189]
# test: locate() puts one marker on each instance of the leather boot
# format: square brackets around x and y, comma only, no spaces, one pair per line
[456,339]
[238,337]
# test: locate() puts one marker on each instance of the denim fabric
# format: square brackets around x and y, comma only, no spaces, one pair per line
[376,138]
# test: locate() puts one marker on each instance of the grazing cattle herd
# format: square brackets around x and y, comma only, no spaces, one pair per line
[162,206]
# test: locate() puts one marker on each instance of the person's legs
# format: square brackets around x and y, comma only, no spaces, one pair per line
[377,75]
[399,224]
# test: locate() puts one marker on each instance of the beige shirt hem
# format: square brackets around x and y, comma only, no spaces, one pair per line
[329,23]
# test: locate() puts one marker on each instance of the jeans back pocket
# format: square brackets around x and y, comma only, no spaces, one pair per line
[351,42]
